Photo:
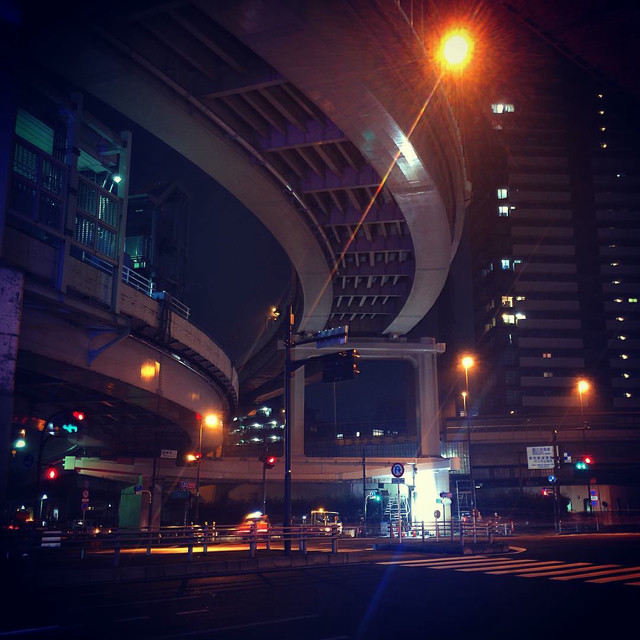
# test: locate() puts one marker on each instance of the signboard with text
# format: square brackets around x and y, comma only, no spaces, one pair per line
[540,457]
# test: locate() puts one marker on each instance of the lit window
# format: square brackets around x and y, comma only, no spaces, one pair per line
[615,282]
[507,301]
[615,264]
[500,107]
[357,434]
[622,337]
[627,394]
[378,432]
[546,355]
[520,316]
[503,211]
[600,95]
[508,318]
[624,356]
[603,128]
[517,261]
[340,436]
[603,145]
[548,374]
[502,193]
[505,263]
[601,112]
[620,319]
[625,376]
[633,299]
[520,297]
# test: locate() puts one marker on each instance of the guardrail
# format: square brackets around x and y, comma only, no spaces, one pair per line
[192,539]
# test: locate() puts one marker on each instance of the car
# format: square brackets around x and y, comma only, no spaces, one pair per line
[254,523]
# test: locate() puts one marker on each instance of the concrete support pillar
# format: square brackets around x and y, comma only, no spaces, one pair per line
[427,419]
[11,294]
[297,414]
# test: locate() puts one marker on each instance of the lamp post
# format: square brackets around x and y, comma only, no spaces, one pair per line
[288,374]
[210,420]
[583,388]
[467,363]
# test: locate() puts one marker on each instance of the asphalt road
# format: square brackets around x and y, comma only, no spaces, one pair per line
[558,587]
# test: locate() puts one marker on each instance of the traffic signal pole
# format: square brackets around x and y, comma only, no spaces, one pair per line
[331,336]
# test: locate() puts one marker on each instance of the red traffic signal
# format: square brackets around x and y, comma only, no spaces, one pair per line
[270,462]
[78,415]
[51,473]
[588,460]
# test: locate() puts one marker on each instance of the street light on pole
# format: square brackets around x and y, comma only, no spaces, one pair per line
[210,420]
[454,53]
[583,388]
[467,363]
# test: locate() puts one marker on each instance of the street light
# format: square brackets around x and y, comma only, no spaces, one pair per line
[467,362]
[455,49]
[210,420]
[583,388]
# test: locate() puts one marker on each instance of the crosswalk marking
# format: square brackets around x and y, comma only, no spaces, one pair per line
[523,568]
[597,573]
[554,571]
[616,578]
[516,564]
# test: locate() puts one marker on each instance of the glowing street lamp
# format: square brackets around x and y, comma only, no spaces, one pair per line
[210,420]
[455,49]
[584,388]
[467,363]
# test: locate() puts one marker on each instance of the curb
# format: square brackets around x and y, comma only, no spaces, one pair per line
[70,577]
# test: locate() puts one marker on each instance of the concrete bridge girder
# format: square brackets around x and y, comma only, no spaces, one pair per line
[371,82]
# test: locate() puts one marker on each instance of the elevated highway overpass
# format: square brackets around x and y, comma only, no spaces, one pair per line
[302,114]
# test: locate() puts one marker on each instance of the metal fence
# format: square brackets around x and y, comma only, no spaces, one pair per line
[104,542]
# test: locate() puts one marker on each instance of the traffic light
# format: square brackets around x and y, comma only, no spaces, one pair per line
[51,473]
[583,463]
[65,421]
[269,462]
[340,366]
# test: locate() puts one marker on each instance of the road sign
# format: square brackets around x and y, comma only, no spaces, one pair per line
[436,514]
[540,457]
[171,454]
[326,338]
[397,470]
[397,480]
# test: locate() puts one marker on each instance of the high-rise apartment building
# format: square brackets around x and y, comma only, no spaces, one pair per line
[556,246]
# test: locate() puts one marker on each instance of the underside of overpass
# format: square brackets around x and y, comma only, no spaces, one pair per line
[368,206]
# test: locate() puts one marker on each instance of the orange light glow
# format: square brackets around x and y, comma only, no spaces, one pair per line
[456,48]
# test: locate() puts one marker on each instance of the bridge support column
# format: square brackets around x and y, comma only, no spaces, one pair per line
[11,293]
[427,418]
[297,411]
